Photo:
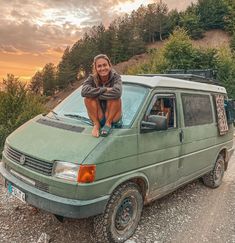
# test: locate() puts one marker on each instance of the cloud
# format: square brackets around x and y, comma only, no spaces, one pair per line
[30,37]
[35,32]
[39,25]
[36,26]
[58,49]
[9,49]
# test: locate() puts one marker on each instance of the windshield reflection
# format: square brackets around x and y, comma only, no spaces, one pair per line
[73,107]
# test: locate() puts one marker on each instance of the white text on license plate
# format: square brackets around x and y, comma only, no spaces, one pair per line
[16,192]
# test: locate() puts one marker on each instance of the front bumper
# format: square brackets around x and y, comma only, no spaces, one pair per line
[65,207]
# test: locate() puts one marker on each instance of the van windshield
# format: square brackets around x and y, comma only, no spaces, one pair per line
[73,107]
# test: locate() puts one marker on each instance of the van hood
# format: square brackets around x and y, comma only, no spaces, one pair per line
[50,140]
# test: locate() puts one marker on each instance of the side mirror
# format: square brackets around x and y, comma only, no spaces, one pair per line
[154,122]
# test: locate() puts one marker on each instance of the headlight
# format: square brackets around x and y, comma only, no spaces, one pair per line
[66,170]
[74,172]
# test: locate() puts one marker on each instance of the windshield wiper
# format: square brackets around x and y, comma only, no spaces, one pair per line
[55,115]
[81,118]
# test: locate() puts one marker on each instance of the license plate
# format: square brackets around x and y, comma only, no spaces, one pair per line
[15,192]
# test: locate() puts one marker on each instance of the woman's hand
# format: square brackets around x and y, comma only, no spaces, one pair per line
[109,90]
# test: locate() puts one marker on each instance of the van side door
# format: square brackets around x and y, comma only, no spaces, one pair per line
[198,135]
[158,149]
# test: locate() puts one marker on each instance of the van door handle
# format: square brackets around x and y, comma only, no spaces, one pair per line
[181,134]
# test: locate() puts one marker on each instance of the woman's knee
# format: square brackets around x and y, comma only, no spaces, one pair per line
[116,103]
[93,106]
[92,103]
[88,100]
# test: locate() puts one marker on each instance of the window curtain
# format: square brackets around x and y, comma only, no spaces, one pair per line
[221,115]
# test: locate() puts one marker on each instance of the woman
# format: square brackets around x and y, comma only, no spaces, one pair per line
[102,91]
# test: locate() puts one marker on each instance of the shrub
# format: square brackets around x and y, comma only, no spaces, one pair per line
[17,105]
[225,65]
[178,53]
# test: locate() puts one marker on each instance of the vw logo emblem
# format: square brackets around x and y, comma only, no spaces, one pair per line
[22,159]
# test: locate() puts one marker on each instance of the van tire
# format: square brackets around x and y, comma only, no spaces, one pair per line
[214,178]
[121,216]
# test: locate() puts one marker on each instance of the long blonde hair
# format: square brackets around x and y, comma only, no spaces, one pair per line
[94,72]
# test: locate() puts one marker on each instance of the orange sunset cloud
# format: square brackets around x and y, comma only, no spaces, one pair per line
[33,33]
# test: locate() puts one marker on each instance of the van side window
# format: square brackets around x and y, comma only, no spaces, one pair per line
[163,105]
[197,109]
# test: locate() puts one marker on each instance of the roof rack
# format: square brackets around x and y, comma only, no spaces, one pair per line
[198,75]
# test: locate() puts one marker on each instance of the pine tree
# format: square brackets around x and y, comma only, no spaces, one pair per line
[173,20]
[178,50]
[190,21]
[229,18]
[212,13]
[66,72]
[161,20]
[36,84]
[49,79]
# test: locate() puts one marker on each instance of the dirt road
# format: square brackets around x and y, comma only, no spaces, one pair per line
[191,214]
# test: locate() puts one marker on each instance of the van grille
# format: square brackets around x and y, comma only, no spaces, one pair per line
[34,164]
[42,186]
[38,184]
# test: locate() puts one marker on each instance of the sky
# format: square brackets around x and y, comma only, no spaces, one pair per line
[36,32]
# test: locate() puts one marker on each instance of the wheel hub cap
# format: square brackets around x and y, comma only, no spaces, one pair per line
[124,214]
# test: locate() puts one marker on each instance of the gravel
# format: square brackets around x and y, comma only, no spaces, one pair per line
[193,213]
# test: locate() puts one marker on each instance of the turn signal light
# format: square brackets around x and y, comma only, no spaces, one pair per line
[86,173]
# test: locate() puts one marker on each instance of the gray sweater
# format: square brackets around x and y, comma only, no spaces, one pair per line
[92,90]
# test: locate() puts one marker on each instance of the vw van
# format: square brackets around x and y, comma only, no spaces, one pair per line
[173,132]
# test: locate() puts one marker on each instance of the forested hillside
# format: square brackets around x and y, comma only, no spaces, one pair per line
[130,35]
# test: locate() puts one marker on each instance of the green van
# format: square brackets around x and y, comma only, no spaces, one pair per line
[173,132]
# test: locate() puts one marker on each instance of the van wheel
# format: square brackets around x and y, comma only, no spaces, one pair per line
[121,216]
[214,178]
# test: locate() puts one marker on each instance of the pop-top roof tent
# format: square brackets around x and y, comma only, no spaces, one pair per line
[177,80]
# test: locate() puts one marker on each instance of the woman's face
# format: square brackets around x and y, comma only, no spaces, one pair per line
[102,67]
